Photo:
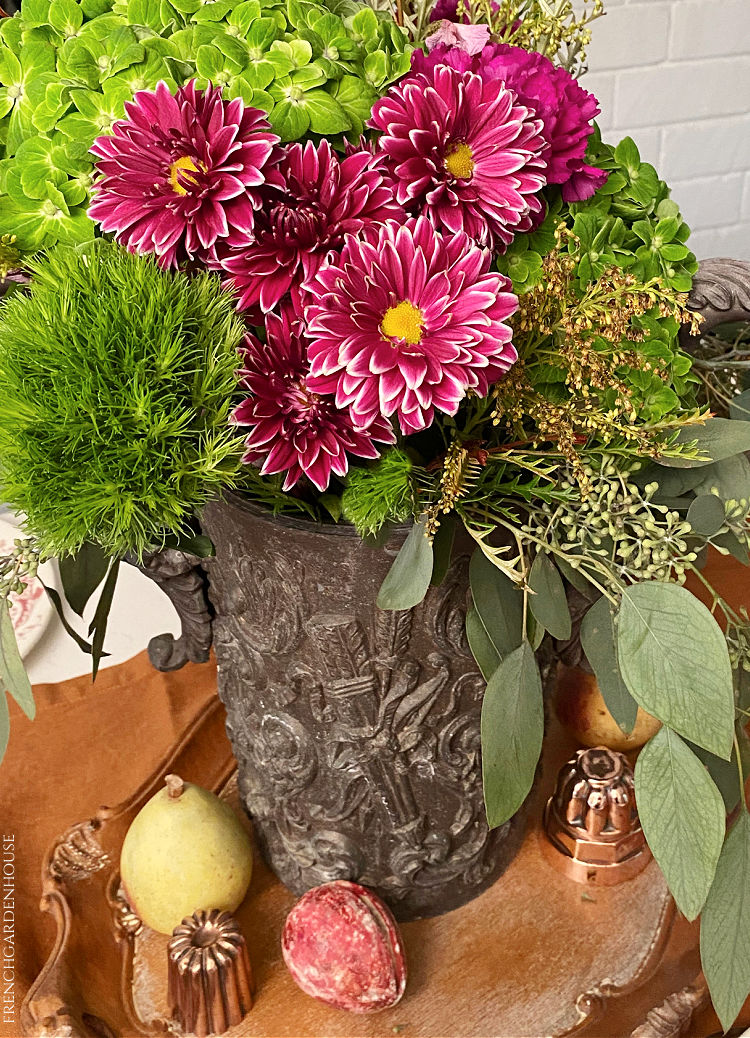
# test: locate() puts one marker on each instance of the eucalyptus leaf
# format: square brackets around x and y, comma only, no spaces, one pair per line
[732,546]
[442,550]
[480,643]
[576,579]
[739,406]
[534,631]
[725,926]
[674,660]
[82,574]
[682,814]
[498,602]
[717,439]
[706,515]
[4,724]
[599,643]
[724,772]
[549,603]
[672,482]
[730,478]
[512,731]
[408,579]
[13,676]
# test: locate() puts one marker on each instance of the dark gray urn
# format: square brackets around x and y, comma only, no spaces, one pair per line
[356,731]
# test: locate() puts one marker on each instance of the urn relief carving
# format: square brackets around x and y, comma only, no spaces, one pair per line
[357,731]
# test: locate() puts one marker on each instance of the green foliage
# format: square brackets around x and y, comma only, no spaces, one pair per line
[599,643]
[13,677]
[674,660]
[498,604]
[380,494]
[409,577]
[548,602]
[716,440]
[116,379]
[682,815]
[512,732]
[81,575]
[725,925]
[68,66]
[632,221]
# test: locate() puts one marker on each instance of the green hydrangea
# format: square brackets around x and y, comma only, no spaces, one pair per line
[68,66]
[631,223]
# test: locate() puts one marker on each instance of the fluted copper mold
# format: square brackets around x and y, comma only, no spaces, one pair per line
[591,822]
[210,981]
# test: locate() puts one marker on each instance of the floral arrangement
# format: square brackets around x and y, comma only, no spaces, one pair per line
[385,271]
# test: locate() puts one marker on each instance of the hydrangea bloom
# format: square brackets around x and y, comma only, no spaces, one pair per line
[463,151]
[294,429]
[181,172]
[471,38]
[321,198]
[566,109]
[404,321]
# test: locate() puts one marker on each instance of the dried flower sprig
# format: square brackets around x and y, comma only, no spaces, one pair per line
[578,354]
[551,27]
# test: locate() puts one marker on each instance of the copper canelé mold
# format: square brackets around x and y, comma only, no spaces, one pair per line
[591,821]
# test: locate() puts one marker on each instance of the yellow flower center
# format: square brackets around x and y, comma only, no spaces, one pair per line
[403,321]
[184,165]
[458,161]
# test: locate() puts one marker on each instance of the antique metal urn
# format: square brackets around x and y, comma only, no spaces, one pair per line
[356,731]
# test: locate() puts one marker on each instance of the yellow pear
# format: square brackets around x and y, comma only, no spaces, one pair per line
[582,710]
[185,850]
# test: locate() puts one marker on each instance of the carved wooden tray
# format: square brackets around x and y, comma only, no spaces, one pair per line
[534,955]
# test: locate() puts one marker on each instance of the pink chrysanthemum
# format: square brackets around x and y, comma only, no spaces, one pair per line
[405,320]
[464,152]
[322,198]
[294,429]
[566,109]
[181,172]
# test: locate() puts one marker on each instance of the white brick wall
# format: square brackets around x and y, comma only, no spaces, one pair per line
[675,76]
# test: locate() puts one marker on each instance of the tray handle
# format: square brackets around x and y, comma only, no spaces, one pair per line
[183,581]
[720,292]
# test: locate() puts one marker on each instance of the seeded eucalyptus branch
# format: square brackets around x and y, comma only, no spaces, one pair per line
[19,566]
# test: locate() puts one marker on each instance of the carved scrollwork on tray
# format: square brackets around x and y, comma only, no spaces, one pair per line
[78,855]
[673,1017]
[127,922]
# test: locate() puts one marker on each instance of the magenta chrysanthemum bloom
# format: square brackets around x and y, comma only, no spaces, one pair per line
[181,172]
[322,198]
[463,151]
[566,109]
[294,429]
[449,9]
[405,321]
